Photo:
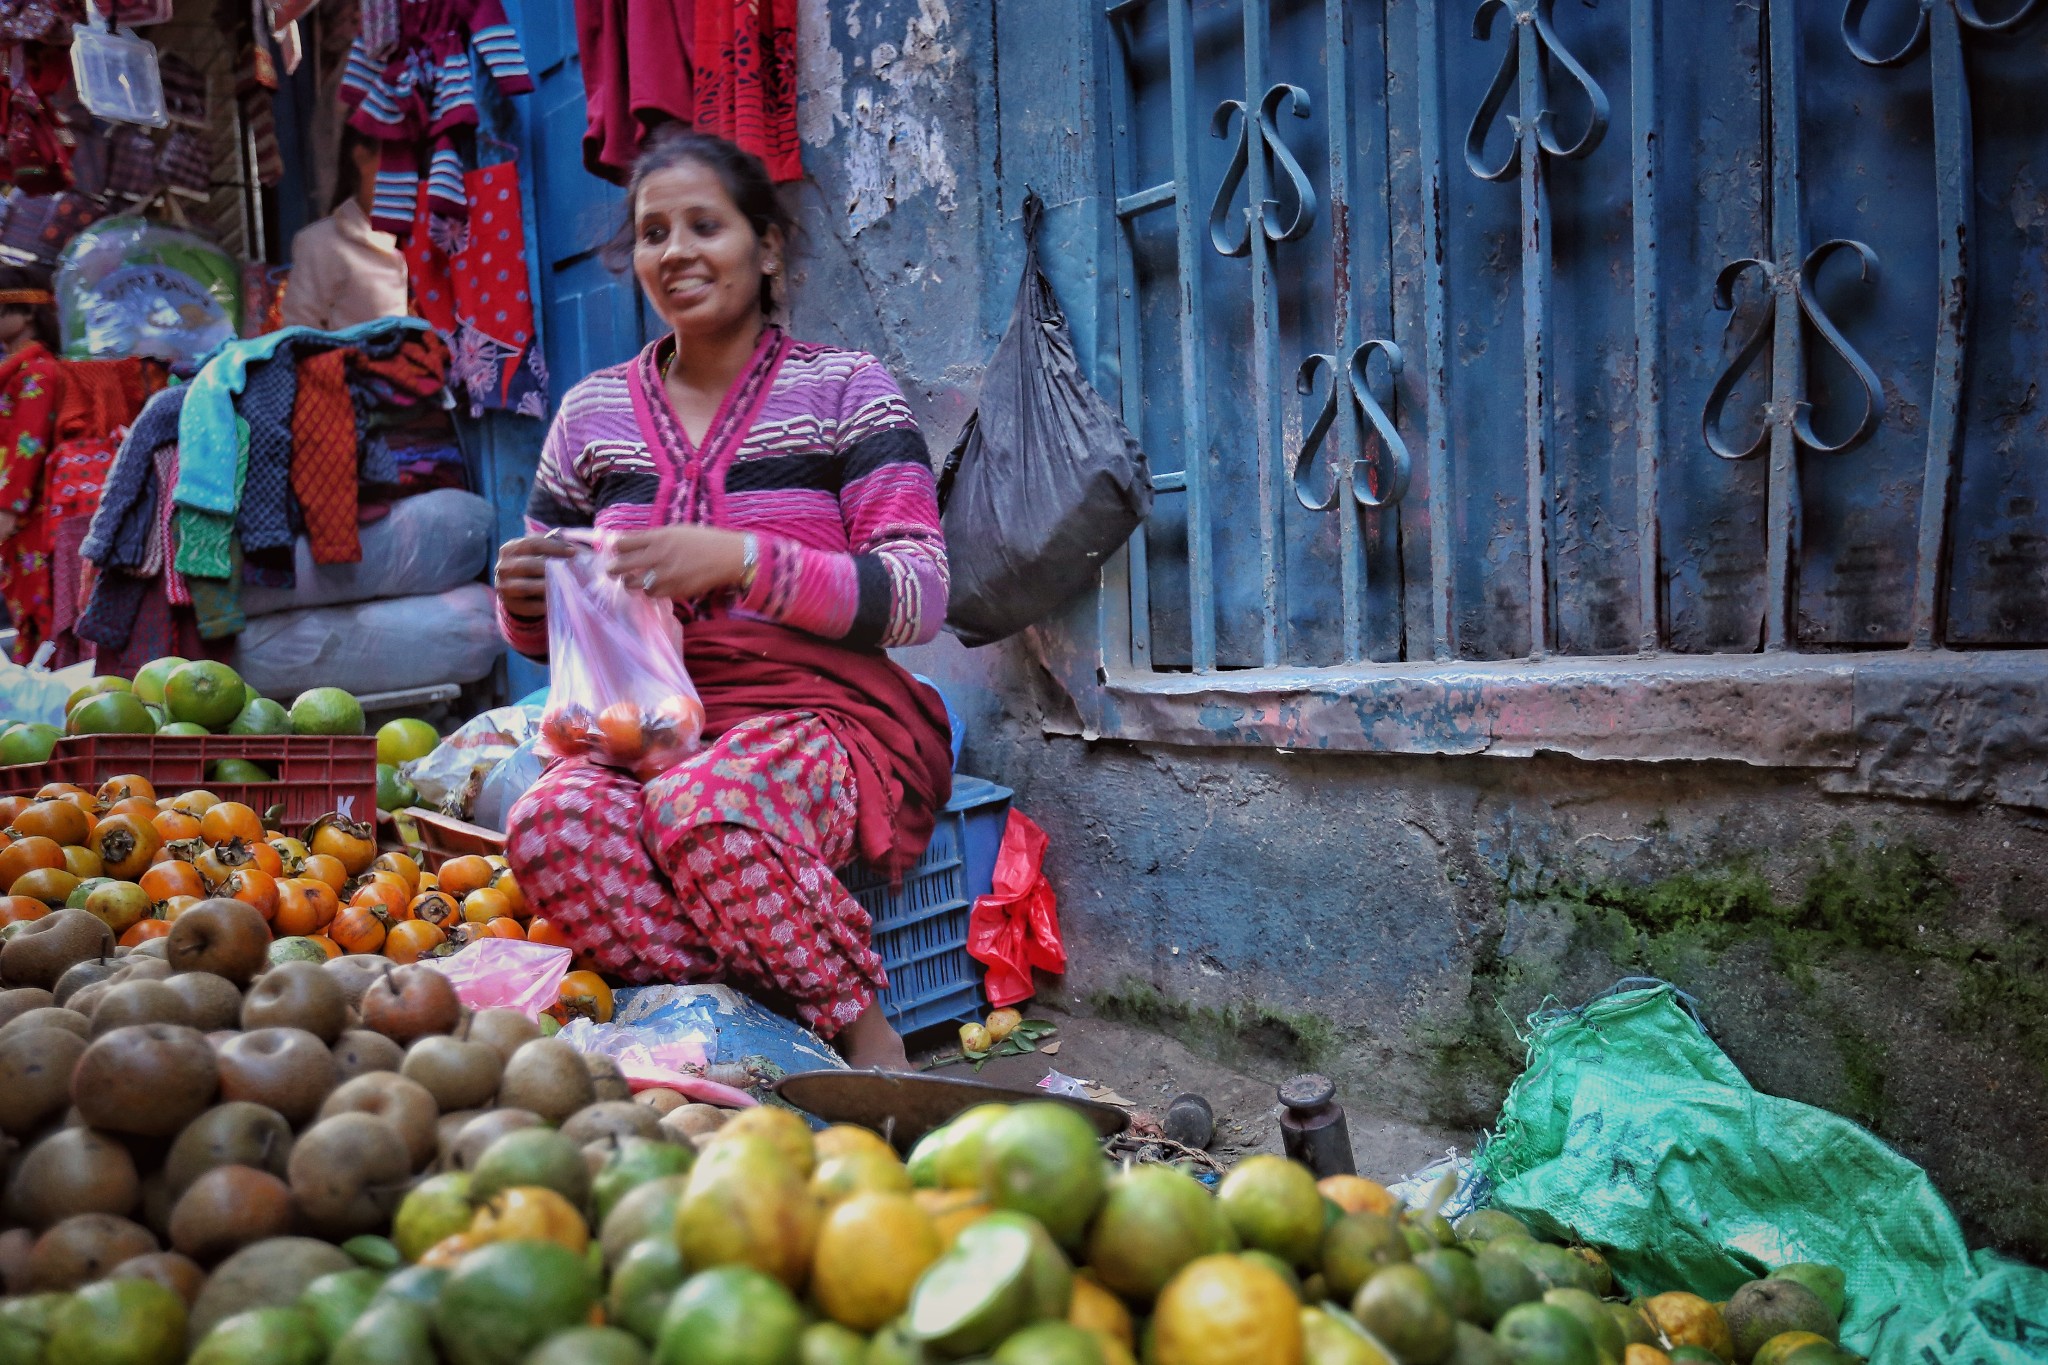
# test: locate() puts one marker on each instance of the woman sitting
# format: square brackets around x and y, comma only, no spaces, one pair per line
[779,493]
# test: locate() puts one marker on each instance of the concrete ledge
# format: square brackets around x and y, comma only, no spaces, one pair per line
[1937,726]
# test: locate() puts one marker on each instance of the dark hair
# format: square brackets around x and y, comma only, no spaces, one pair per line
[745,180]
[42,317]
[348,177]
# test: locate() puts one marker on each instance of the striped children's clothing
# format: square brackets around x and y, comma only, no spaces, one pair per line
[413,96]
[814,450]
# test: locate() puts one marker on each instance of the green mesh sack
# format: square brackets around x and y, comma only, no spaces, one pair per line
[1631,1131]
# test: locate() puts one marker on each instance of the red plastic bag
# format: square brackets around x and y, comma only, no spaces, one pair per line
[1017,925]
[617,690]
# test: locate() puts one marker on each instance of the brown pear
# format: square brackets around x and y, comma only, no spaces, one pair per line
[481,1131]
[71,1021]
[610,1119]
[285,1069]
[457,1074]
[606,1080]
[505,1030]
[41,951]
[79,975]
[35,1077]
[348,1174]
[359,1052]
[138,1002]
[301,995]
[146,1079]
[548,1077]
[410,1003]
[73,1170]
[179,1274]
[215,1001]
[21,1000]
[233,1134]
[406,1105]
[227,1209]
[83,1248]
[354,973]
[15,1245]
[225,937]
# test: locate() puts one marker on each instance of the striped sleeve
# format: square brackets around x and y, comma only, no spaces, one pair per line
[495,41]
[889,589]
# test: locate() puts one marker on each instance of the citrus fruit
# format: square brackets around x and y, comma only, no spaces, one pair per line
[260,716]
[1608,1342]
[502,1300]
[1827,1282]
[295,948]
[745,1204]
[858,1172]
[183,728]
[949,1158]
[1635,1328]
[1154,1220]
[589,1346]
[1399,1305]
[1780,1348]
[1555,1267]
[327,711]
[1544,1334]
[534,1156]
[530,1213]
[730,1315]
[789,1134]
[1475,1346]
[1358,1245]
[827,1343]
[1356,1194]
[1224,1310]
[633,1163]
[393,791]
[1274,1206]
[1456,1278]
[1330,1336]
[263,1336]
[118,1322]
[393,1328]
[1097,1310]
[642,1283]
[871,1249]
[976,1294]
[1045,1160]
[647,1211]
[1689,1320]
[1503,1282]
[150,678]
[95,687]
[1050,1343]
[439,1207]
[843,1138]
[109,713]
[338,1298]
[401,741]
[238,770]
[204,693]
[1639,1353]
[28,743]
[1486,1225]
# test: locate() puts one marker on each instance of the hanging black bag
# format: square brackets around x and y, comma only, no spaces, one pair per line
[1045,482]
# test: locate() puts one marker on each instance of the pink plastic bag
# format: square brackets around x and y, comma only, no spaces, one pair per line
[1016,927]
[505,974]
[618,693]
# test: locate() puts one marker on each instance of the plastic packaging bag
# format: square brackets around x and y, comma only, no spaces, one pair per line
[433,543]
[450,778]
[129,287]
[1631,1131]
[31,693]
[617,690]
[372,647]
[505,784]
[505,974]
[1045,483]
[1017,925]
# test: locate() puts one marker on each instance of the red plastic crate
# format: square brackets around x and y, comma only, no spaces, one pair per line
[315,775]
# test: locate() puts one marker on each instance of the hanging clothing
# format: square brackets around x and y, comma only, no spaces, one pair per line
[746,79]
[637,75]
[414,94]
[719,870]
[479,302]
[30,388]
[32,155]
[814,451]
[345,273]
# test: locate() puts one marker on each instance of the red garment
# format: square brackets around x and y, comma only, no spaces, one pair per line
[718,870]
[32,156]
[324,458]
[479,301]
[622,97]
[746,79]
[30,386]
[893,727]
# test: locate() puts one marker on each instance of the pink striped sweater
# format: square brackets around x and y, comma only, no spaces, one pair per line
[814,450]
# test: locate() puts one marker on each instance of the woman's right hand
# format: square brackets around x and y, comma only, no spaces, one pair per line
[521,577]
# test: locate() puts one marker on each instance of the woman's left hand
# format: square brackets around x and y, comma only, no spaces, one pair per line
[680,563]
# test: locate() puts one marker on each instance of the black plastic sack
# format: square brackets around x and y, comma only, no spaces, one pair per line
[1045,482]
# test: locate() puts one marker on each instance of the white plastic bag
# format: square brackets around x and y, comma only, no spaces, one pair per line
[433,543]
[386,646]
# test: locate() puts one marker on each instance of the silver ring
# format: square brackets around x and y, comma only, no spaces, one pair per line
[647,581]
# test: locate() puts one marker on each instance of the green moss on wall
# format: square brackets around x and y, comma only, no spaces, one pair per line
[1231,1034]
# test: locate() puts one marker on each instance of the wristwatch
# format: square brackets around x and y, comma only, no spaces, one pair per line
[750,562]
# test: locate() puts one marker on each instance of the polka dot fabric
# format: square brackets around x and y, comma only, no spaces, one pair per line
[478,296]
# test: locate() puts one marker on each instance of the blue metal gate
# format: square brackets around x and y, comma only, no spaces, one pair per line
[1497,328]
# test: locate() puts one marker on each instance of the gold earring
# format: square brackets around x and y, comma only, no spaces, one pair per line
[770,268]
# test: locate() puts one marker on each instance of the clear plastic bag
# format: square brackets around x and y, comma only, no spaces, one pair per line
[618,693]
[116,76]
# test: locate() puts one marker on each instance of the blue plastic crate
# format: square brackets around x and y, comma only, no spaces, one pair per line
[921,925]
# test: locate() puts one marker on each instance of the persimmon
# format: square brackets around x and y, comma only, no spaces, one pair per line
[585,994]
[194,803]
[481,907]
[410,940]
[176,826]
[359,929]
[384,891]
[624,737]
[11,806]
[304,907]
[543,930]
[507,885]
[54,819]
[228,821]
[327,945]
[135,808]
[178,905]
[322,868]
[503,927]
[402,866]
[126,787]
[348,842]
[143,930]
[266,858]
[82,862]
[52,790]
[460,876]
[437,908]
[24,856]
[222,861]
[50,885]
[291,853]
[173,878]
[251,886]
[15,909]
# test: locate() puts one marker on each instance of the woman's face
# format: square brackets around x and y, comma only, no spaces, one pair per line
[695,253]
[14,322]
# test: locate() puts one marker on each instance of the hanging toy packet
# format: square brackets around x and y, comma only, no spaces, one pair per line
[618,693]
